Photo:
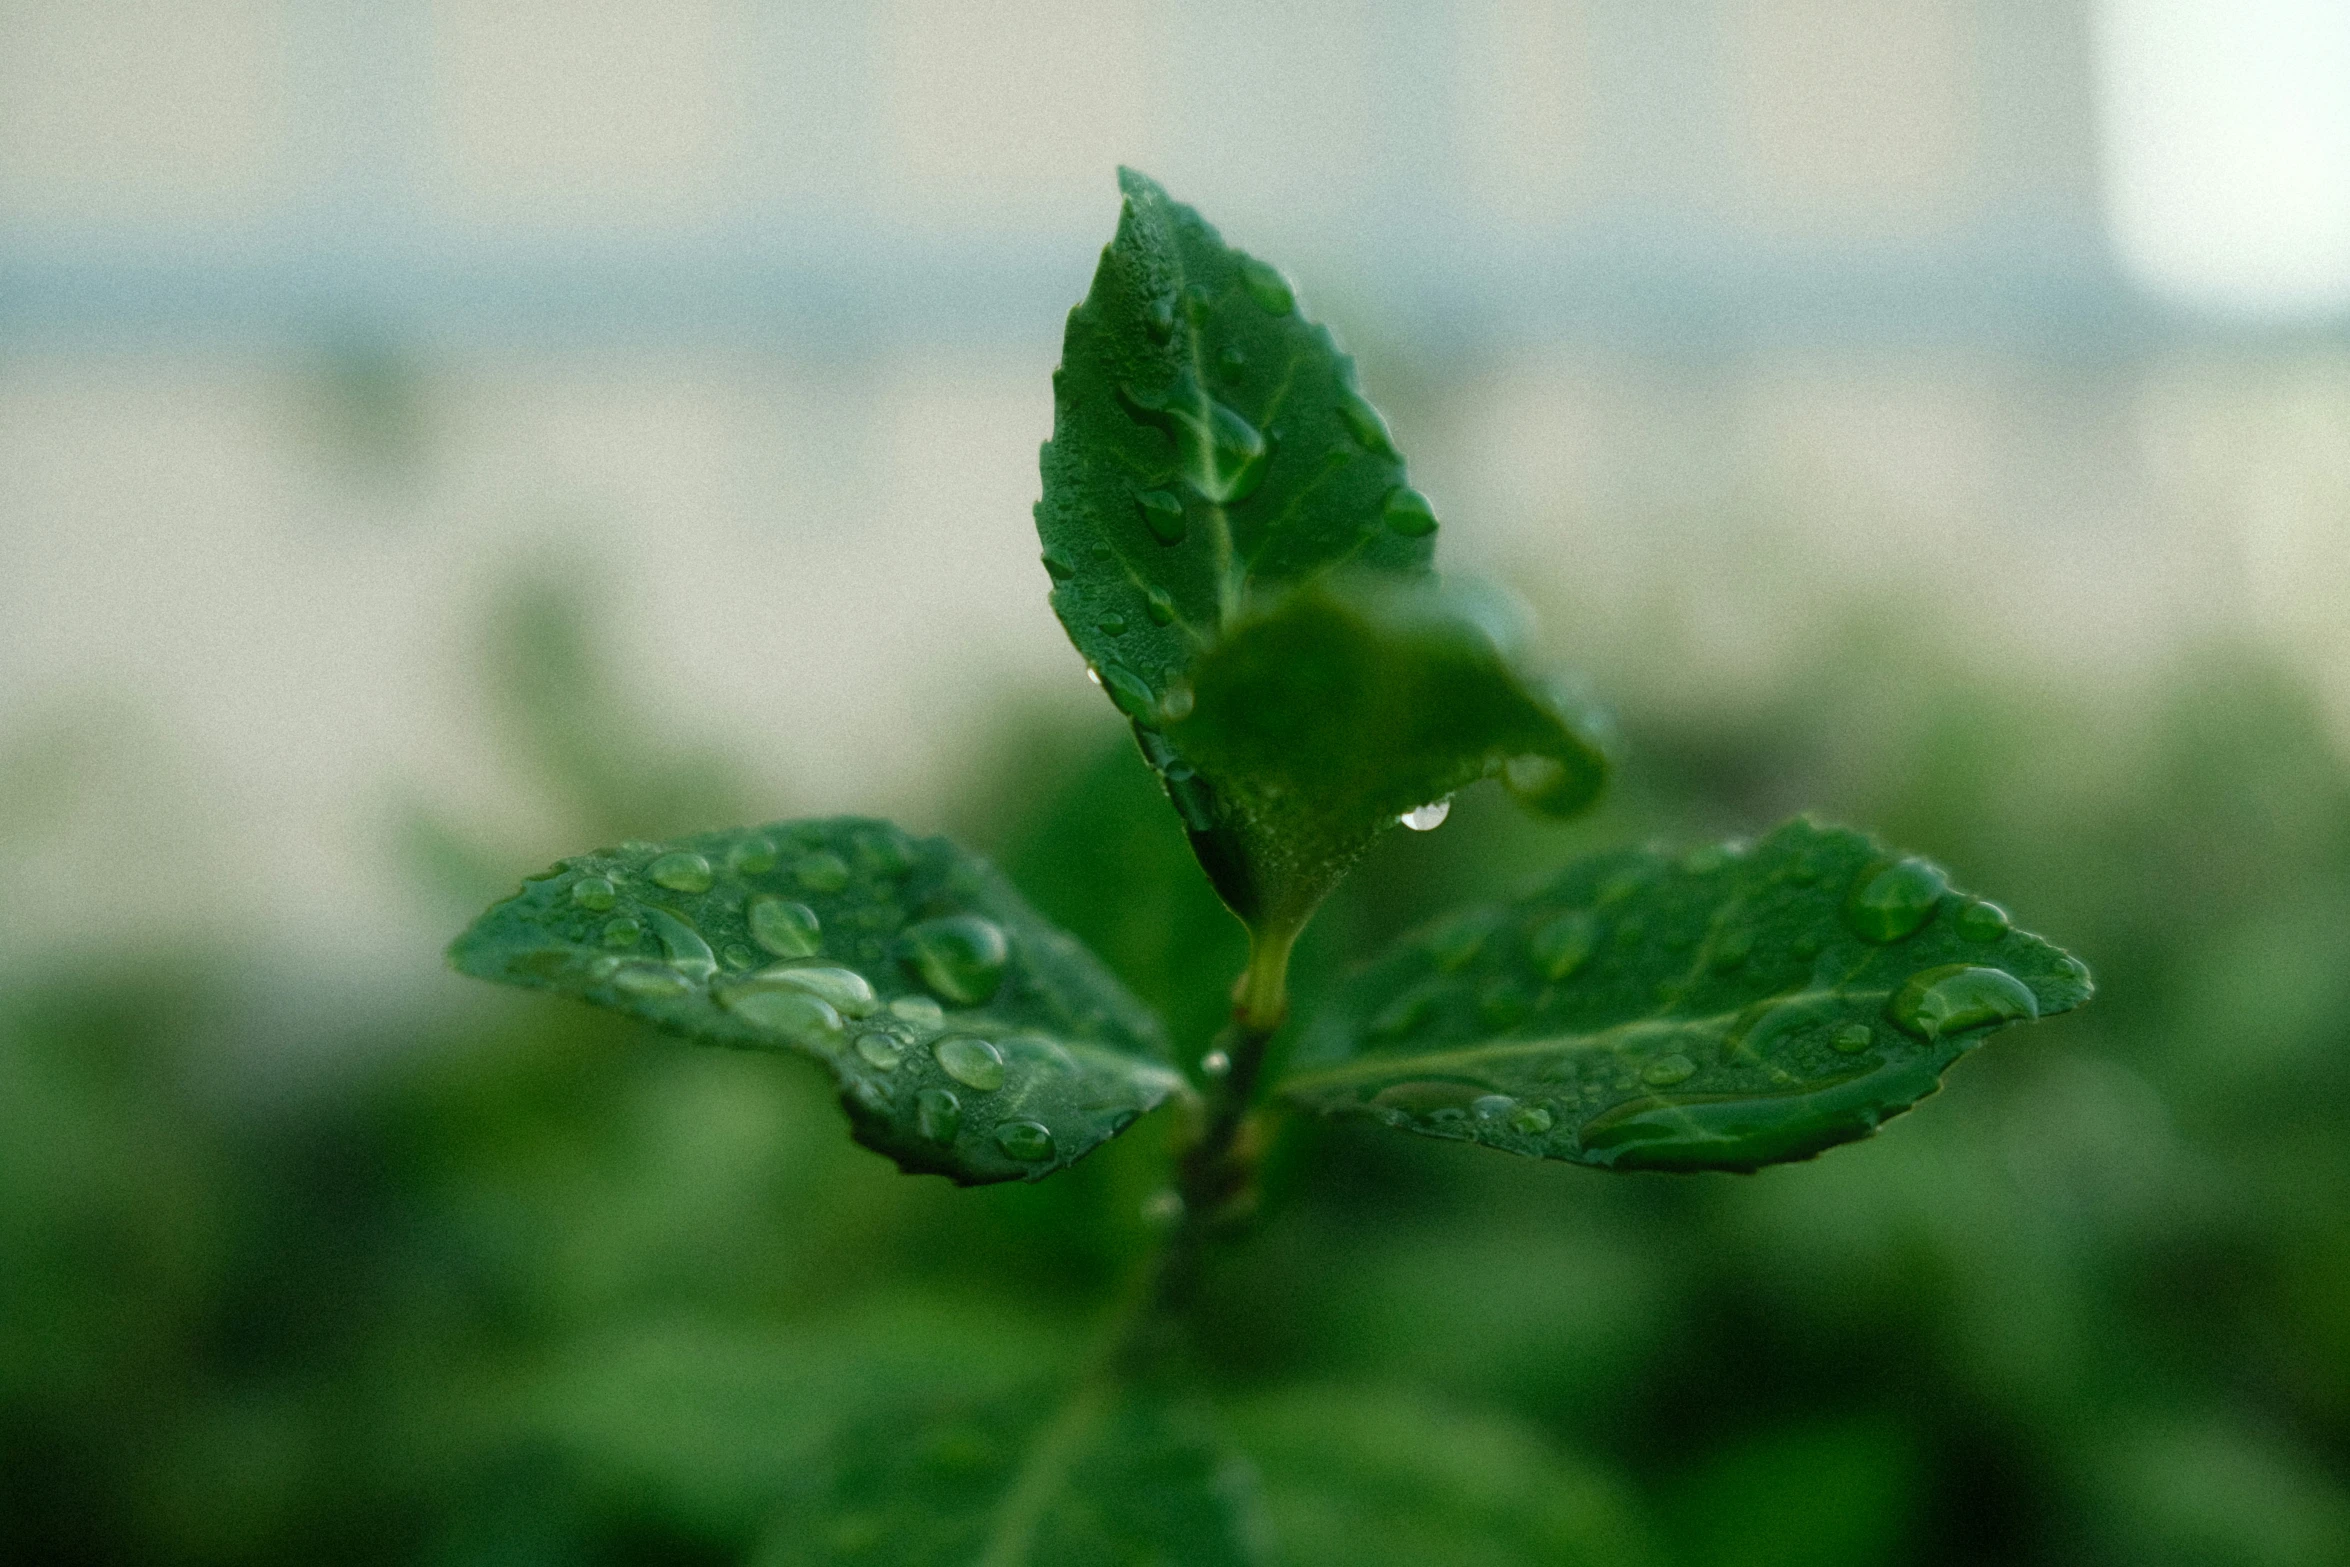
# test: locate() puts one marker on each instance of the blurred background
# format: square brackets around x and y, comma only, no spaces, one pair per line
[440,435]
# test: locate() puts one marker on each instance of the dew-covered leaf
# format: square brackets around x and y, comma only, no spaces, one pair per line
[1038,1479]
[1724,1009]
[1212,451]
[968,1036]
[1349,703]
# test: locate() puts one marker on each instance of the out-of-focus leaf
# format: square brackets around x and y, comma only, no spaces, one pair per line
[1101,1478]
[1345,705]
[1210,450]
[968,1036]
[1363,1478]
[1726,1009]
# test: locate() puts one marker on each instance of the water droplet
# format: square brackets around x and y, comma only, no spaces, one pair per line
[1267,286]
[1215,1064]
[1093,674]
[972,1062]
[959,959]
[1531,1120]
[737,955]
[1364,423]
[1459,937]
[785,928]
[1955,997]
[751,857]
[603,968]
[680,870]
[1731,948]
[823,871]
[1237,457]
[1491,1107]
[1980,920]
[1162,513]
[1560,945]
[802,1018]
[1159,607]
[881,1049]
[1407,512]
[1665,1071]
[1028,1140]
[688,953]
[1231,361]
[1177,701]
[843,988]
[1158,318]
[1130,692]
[594,892]
[1427,818]
[920,1011]
[1853,1038]
[1888,902]
[938,1115]
[1503,1003]
[1112,625]
[1163,1208]
[1057,566]
[622,932]
[643,979]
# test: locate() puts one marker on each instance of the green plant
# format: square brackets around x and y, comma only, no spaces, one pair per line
[1235,549]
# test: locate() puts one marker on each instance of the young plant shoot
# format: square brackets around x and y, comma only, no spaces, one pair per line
[1235,548]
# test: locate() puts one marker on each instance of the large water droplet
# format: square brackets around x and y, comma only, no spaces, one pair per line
[1059,567]
[751,857]
[1560,946]
[972,1062]
[1112,625]
[785,928]
[642,979]
[688,953]
[622,932]
[1665,1071]
[1530,1120]
[1980,920]
[797,1016]
[681,870]
[1160,607]
[920,1011]
[1162,513]
[1492,1107]
[1029,1140]
[1237,457]
[822,871]
[1267,286]
[1427,818]
[1215,1063]
[845,989]
[1853,1038]
[1365,424]
[1177,701]
[1158,318]
[594,892]
[881,1049]
[938,1115]
[1130,692]
[1955,997]
[1889,902]
[1407,512]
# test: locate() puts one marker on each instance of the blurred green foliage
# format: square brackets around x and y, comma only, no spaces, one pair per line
[522,1283]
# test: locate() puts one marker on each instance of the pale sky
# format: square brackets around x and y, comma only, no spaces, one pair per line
[2228,149]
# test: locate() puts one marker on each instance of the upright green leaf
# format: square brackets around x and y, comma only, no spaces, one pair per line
[1349,703]
[967,1035]
[1212,450]
[1105,1477]
[1726,1009]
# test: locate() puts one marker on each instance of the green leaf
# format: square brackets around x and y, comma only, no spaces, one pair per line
[1100,1478]
[1211,450]
[968,1037]
[1730,1008]
[1372,1478]
[1351,702]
